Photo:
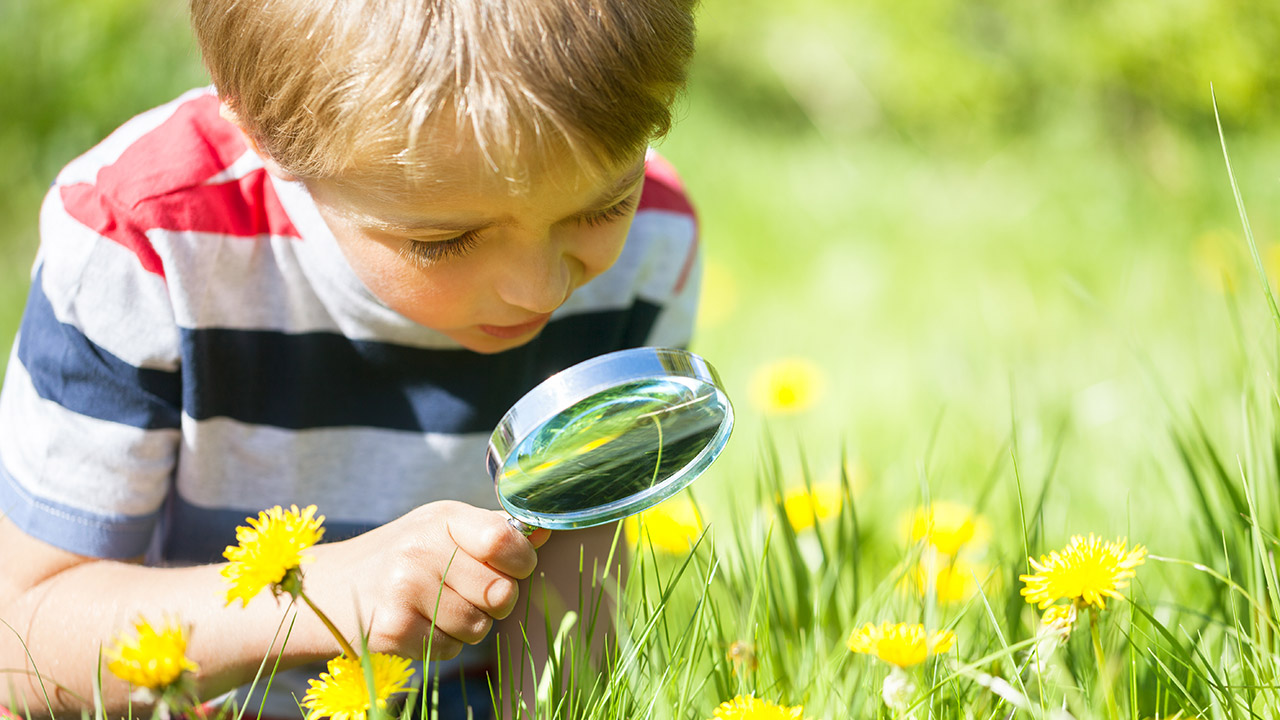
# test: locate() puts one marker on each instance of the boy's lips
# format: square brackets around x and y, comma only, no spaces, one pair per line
[507,332]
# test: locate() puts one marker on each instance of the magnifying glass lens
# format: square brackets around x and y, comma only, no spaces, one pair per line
[615,452]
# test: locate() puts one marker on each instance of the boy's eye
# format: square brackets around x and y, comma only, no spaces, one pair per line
[612,213]
[428,252]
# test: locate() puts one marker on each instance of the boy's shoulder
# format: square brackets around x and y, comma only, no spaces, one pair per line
[169,148]
[178,167]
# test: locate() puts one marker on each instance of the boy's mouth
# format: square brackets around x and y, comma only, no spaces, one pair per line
[508,332]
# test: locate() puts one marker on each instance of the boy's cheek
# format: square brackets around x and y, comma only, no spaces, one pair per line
[602,249]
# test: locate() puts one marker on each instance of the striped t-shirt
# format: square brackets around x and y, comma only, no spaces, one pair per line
[196,349]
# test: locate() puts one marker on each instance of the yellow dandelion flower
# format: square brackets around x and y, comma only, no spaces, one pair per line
[787,386]
[947,526]
[1086,572]
[270,552]
[900,644]
[742,655]
[149,657]
[342,693]
[746,707]
[672,526]
[718,297]
[953,579]
[801,505]
[1214,259]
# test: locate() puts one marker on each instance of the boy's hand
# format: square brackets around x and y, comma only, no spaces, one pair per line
[446,560]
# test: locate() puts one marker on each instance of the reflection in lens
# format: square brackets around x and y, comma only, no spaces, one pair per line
[631,441]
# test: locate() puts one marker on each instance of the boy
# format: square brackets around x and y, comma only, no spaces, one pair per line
[324,283]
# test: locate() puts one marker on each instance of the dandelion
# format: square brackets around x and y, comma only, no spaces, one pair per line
[342,693]
[802,505]
[270,552]
[946,526]
[954,579]
[151,658]
[1214,260]
[902,644]
[719,295]
[1086,572]
[787,386]
[747,707]
[1059,620]
[672,526]
[742,655]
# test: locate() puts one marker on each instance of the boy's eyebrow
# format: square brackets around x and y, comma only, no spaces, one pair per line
[417,225]
[624,183]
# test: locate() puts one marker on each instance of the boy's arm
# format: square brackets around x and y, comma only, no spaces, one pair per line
[63,607]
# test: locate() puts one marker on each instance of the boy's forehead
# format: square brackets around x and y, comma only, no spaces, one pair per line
[466,187]
[452,156]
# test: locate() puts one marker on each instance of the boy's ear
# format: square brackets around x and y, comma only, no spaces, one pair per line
[225,111]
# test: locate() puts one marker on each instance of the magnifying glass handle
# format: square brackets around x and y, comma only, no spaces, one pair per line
[523,528]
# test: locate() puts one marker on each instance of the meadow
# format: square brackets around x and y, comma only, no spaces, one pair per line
[984,256]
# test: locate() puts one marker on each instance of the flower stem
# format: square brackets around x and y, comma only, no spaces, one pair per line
[346,646]
[1096,635]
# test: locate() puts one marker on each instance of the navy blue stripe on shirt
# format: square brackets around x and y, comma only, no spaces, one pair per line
[321,379]
[68,368]
[206,532]
[310,380]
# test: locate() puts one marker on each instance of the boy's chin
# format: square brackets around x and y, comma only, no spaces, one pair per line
[478,341]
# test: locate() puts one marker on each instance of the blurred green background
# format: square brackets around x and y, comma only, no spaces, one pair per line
[985,224]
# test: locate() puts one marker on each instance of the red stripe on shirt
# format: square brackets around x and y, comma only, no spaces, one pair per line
[664,191]
[158,183]
[95,211]
[662,188]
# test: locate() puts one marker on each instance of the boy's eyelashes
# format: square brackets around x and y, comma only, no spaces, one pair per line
[613,213]
[434,251]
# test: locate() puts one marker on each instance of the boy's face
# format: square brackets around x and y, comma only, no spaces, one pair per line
[471,259]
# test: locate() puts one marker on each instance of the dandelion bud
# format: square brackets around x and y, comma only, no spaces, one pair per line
[1058,621]
[898,691]
[1054,631]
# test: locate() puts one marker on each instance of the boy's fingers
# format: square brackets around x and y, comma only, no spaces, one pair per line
[488,590]
[455,615]
[486,536]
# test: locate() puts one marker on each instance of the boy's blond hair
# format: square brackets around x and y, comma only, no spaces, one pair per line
[363,89]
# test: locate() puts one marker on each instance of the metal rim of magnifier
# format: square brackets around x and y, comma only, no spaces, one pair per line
[579,382]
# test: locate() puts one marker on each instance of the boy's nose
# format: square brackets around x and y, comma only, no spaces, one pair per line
[538,282]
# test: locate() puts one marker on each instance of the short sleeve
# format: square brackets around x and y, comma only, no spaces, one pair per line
[90,408]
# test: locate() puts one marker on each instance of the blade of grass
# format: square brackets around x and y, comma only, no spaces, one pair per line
[44,692]
[1264,283]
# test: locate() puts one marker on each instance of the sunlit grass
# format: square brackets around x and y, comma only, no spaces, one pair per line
[1060,329]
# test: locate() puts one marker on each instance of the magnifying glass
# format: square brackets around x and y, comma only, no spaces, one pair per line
[607,438]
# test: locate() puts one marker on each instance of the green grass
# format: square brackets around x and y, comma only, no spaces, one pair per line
[1021,270]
